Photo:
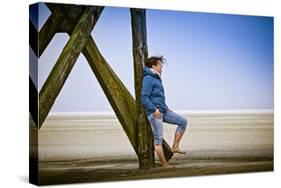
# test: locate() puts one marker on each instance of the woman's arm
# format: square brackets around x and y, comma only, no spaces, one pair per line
[146,94]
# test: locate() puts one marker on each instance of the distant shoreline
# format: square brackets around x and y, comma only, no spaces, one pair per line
[111,114]
[178,111]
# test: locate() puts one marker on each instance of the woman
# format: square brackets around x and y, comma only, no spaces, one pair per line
[153,100]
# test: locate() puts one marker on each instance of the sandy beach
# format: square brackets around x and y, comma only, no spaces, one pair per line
[93,147]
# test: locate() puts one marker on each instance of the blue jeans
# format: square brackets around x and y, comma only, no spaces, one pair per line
[168,117]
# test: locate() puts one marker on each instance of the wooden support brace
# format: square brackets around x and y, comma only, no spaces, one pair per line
[65,63]
[50,28]
[119,97]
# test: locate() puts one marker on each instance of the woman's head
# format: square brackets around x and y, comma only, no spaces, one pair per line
[155,62]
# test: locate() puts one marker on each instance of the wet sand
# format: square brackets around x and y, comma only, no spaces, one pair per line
[93,148]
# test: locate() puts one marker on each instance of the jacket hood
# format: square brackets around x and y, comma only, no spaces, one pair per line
[147,71]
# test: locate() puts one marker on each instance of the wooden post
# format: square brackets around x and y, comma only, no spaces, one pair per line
[65,63]
[140,53]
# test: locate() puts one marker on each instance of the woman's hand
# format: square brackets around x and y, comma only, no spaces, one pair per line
[157,113]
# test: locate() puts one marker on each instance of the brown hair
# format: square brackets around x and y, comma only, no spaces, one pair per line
[153,60]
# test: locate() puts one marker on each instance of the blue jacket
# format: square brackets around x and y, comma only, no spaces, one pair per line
[152,93]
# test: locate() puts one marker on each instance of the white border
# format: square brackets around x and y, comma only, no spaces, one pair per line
[14,91]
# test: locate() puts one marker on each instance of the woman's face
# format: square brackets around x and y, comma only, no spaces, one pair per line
[158,66]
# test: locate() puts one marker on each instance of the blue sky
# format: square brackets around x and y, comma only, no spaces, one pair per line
[214,61]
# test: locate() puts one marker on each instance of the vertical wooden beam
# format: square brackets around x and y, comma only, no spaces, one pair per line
[65,63]
[140,54]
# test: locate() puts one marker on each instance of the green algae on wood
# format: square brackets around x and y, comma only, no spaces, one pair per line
[65,63]
[140,54]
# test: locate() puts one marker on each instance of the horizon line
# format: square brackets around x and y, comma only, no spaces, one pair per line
[211,111]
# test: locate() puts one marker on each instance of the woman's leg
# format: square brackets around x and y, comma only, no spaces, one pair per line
[157,129]
[174,118]
[177,139]
[161,156]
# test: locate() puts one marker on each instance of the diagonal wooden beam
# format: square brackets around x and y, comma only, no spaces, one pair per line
[119,97]
[33,33]
[33,38]
[65,63]
[140,53]
[33,101]
[50,28]
[117,94]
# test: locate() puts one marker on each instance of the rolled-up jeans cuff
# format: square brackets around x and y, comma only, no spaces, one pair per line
[180,130]
[158,141]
